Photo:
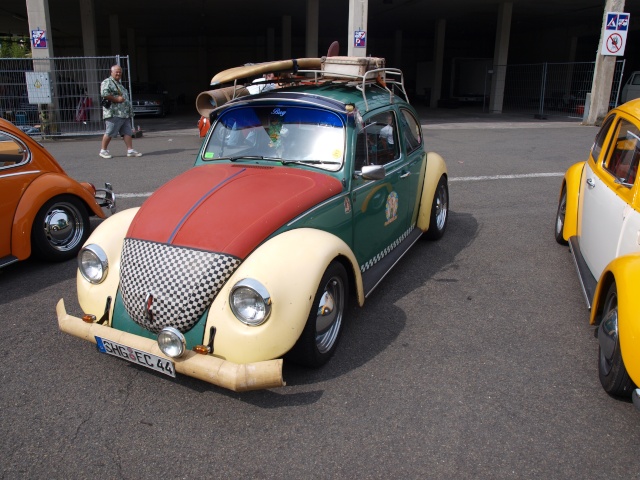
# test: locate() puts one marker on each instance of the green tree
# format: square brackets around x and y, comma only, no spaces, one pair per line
[15,47]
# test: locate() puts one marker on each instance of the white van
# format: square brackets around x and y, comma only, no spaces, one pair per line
[631,89]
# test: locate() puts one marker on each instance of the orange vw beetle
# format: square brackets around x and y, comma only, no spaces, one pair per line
[42,210]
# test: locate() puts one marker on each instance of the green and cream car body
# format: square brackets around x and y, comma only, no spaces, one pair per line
[301,198]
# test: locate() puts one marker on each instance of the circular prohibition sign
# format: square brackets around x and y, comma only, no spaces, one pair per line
[614,42]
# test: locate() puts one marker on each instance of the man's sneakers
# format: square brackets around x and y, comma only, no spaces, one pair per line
[130,153]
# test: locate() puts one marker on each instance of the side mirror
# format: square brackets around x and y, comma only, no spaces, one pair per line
[373,172]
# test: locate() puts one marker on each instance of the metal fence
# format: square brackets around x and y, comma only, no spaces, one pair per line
[56,96]
[552,89]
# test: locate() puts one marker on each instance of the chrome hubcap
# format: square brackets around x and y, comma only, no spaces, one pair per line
[442,203]
[329,315]
[63,226]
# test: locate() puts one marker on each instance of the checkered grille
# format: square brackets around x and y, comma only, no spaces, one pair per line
[168,286]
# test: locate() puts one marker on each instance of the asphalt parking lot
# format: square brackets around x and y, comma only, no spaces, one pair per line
[473,359]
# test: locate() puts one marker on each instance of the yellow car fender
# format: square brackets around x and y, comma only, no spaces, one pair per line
[290,266]
[625,271]
[109,235]
[571,182]
[436,168]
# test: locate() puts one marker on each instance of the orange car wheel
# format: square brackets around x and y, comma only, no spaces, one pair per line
[60,228]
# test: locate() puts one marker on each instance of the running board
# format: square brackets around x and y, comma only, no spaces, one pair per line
[587,280]
[8,260]
[374,275]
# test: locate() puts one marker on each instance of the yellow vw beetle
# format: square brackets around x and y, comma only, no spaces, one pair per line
[599,217]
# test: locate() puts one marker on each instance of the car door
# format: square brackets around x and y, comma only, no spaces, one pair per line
[14,178]
[609,226]
[381,208]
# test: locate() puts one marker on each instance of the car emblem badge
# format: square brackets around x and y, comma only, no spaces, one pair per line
[147,305]
[347,205]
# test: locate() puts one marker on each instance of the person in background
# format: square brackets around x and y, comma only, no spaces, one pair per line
[118,114]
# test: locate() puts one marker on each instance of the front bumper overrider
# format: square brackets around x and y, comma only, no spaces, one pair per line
[214,370]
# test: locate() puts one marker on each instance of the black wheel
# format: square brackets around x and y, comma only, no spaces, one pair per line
[562,211]
[60,228]
[439,211]
[611,370]
[321,333]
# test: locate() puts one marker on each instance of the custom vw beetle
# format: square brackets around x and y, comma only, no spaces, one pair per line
[599,217]
[299,197]
[42,210]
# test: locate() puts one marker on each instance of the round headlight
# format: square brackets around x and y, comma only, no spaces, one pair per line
[250,302]
[172,342]
[93,263]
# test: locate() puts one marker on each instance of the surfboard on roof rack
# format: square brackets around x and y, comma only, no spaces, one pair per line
[359,71]
[259,69]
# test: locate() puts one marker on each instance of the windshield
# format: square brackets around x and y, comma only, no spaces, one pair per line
[289,134]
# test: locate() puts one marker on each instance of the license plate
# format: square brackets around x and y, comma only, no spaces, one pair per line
[136,356]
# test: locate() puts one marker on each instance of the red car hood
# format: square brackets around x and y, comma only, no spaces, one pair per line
[228,208]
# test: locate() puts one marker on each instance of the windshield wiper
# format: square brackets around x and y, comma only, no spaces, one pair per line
[311,162]
[244,157]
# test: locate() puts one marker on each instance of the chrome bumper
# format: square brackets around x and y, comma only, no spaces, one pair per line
[234,376]
[106,198]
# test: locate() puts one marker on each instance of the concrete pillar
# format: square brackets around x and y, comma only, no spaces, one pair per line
[38,13]
[603,75]
[358,16]
[286,36]
[88,25]
[131,51]
[397,53]
[91,82]
[500,56]
[271,44]
[313,19]
[203,68]
[114,33]
[438,62]
[41,51]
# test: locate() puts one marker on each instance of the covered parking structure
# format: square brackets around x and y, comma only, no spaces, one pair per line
[444,48]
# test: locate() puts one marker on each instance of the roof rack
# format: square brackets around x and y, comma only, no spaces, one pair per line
[387,78]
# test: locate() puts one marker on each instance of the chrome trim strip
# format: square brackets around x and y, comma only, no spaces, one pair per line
[19,173]
[406,249]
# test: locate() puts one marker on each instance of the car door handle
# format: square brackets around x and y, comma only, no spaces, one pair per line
[591,182]
[405,174]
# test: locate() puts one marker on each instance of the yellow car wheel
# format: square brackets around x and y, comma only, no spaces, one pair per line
[562,211]
[611,370]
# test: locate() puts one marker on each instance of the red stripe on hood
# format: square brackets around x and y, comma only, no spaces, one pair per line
[229,208]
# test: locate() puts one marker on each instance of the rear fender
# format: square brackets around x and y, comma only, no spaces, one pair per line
[290,266]
[436,168]
[625,271]
[109,235]
[35,196]
[571,182]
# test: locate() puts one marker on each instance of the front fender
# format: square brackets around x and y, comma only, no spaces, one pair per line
[625,271]
[41,190]
[436,168]
[571,182]
[290,266]
[109,235]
